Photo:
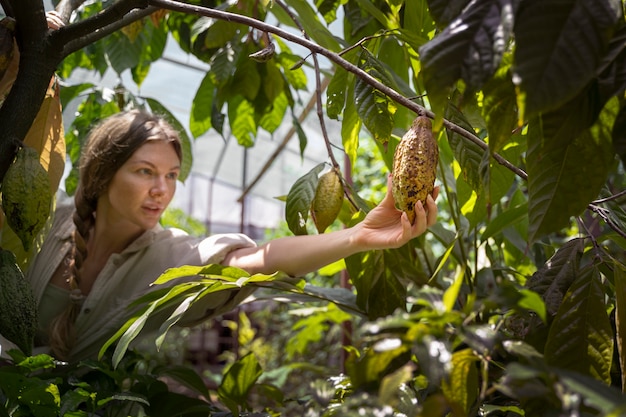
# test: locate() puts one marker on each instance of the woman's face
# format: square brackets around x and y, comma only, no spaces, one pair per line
[142,188]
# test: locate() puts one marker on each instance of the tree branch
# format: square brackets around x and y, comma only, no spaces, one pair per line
[36,66]
[80,34]
[337,59]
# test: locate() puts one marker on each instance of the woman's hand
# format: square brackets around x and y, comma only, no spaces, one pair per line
[387,227]
[54,20]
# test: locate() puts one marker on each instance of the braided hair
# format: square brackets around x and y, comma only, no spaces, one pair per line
[109,145]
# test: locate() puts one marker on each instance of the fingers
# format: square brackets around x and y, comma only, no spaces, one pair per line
[431,210]
[388,199]
[54,20]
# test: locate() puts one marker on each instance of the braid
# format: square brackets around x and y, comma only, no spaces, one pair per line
[62,329]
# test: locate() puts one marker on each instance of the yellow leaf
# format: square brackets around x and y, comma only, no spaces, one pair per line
[46,135]
[133,30]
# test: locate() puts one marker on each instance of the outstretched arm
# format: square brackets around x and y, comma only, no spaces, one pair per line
[384,227]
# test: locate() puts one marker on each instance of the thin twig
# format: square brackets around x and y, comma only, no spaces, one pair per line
[609,198]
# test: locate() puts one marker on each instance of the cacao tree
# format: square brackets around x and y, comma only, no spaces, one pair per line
[513,303]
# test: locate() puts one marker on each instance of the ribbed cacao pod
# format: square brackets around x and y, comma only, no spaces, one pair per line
[26,196]
[415,166]
[18,310]
[328,200]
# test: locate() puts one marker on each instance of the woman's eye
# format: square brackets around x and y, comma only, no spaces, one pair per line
[172,175]
[145,171]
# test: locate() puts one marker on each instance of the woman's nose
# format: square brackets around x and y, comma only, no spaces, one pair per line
[158,187]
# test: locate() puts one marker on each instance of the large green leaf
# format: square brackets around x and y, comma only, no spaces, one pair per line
[290,63]
[299,200]
[237,382]
[617,135]
[350,127]
[554,278]
[581,336]
[201,107]
[336,93]
[308,18]
[461,386]
[500,108]
[612,77]
[467,153]
[567,163]
[471,47]
[380,288]
[375,109]
[559,47]
[242,120]
[445,11]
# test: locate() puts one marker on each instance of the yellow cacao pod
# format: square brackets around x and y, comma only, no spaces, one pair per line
[415,166]
[18,310]
[328,199]
[26,196]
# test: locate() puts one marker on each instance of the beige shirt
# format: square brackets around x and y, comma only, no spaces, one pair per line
[128,275]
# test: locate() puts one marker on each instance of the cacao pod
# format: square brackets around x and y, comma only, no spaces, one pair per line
[18,310]
[415,166]
[26,196]
[328,200]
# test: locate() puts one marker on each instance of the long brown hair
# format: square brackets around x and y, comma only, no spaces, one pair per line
[109,145]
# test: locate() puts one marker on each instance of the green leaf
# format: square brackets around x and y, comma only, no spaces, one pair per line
[471,47]
[531,301]
[350,127]
[202,106]
[223,64]
[336,93]
[213,271]
[504,220]
[237,382]
[619,279]
[368,370]
[381,289]
[158,108]
[296,77]
[299,200]
[461,386]
[544,63]
[242,120]
[272,119]
[596,394]
[310,22]
[218,32]
[581,336]
[375,109]
[328,9]
[186,376]
[451,294]
[131,329]
[554,278]
[567,166]
[467,153]
[445,11]
[500,108]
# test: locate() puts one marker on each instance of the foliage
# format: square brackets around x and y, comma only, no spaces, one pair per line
[513,304]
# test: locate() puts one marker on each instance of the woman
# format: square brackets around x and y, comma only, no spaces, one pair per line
[106,254]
